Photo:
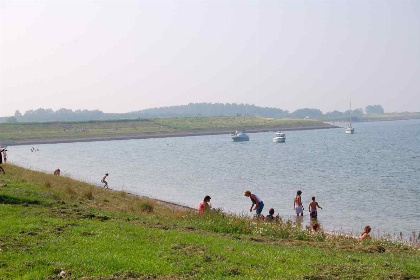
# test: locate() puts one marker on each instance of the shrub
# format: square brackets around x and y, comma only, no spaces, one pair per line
[88,194]
[146,207]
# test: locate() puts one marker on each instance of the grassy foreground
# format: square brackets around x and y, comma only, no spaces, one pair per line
[13,133]
[55,228]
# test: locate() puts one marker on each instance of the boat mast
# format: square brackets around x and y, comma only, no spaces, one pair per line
[350,112]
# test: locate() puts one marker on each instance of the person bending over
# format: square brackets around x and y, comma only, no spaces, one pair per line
[104,181]
[257,203]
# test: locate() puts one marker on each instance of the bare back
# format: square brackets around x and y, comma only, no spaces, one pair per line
[298,200]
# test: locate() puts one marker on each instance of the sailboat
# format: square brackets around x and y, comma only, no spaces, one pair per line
[350,129]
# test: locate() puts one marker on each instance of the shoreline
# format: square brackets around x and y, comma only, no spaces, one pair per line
[161,135]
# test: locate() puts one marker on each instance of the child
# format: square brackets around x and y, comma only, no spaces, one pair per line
[105,182]
[365,234]
[270,217]
[259,204]
[204,205]
[312,208]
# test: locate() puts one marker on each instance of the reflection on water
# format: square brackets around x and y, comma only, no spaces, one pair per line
[371,177]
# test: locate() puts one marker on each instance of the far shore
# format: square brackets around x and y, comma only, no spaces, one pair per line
[159,135]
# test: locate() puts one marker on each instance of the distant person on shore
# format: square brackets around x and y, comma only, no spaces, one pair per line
[2,155]
[257,203]
[365,234]
[297,204]
[313,208]
[204,205]
[104,181]
[57,172]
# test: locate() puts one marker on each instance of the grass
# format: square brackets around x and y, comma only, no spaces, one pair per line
[54,227]
[14,132]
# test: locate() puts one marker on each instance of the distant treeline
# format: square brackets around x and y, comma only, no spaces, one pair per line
[190,110]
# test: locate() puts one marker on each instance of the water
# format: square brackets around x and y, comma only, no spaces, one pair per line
[371,177]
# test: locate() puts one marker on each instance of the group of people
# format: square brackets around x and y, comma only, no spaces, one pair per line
[258,205]
[298,206]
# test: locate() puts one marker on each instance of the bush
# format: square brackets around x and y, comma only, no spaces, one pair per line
[88,194]
[146,207]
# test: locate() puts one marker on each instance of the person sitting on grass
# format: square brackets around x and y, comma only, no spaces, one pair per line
[365,234]
[270,217]
[204,205]
[104,181]
[256,201]
[315,227]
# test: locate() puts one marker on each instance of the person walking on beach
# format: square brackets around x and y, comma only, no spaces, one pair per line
[313,208]
[204,205]
[104,181]
[256,201]
[297,204]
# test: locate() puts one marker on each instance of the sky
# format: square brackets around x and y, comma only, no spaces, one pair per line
[122,56]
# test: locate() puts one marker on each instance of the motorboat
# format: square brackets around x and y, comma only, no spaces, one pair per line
[280,137]
[349,129]
[239,136]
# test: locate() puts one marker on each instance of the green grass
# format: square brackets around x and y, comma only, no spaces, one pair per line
[15,132]
[50,226]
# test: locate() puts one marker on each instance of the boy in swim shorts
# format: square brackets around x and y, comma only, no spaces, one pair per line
[313,208]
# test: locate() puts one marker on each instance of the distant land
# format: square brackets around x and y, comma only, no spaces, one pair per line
[371,112]
[64,132]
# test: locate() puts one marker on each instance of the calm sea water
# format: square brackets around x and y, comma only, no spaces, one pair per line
[371,177]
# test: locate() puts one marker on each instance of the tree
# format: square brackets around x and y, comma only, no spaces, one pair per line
[11,120]
[306,112]
[374,109]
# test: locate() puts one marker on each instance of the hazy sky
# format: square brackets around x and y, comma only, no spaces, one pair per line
[120,56]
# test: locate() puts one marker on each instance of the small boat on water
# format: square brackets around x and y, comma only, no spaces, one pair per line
[239,136]
[280,137]
[350,129]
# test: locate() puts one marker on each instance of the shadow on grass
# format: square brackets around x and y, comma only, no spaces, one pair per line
[6,199]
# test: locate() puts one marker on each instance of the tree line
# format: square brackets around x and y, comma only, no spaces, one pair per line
[190,110]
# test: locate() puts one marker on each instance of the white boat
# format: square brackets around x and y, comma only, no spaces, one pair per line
[239,136]
[350,129]
[280,137]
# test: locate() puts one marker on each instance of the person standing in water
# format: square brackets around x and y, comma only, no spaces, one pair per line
[104,181]
[297,204]
[256,201]
[313,208]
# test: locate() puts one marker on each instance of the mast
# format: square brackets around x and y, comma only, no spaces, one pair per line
[350,112]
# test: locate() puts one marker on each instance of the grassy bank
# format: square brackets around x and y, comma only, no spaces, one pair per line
[56,227]
[14,133]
